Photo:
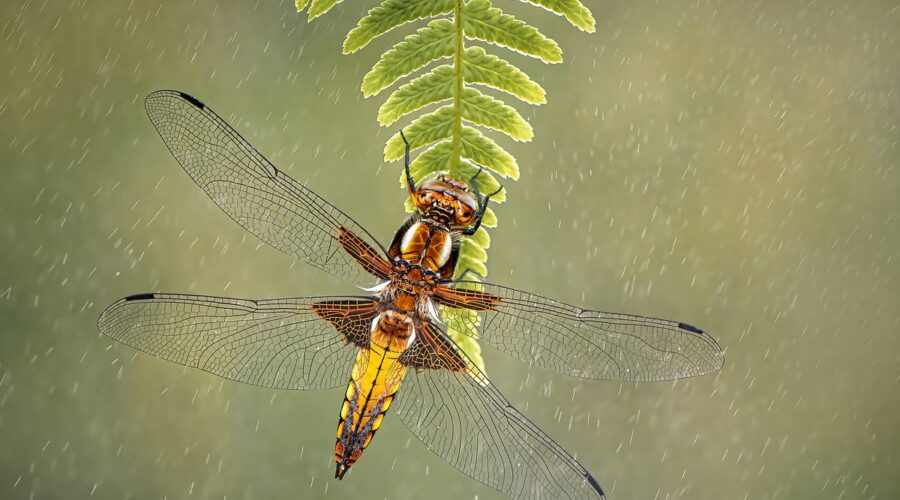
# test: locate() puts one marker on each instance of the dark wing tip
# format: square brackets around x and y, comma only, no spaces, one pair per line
[139,296]
[594,484]
[177,94]
[718,354]
[690,328]
[103,320]
[193,100]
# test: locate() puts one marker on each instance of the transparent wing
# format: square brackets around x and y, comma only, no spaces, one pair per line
[580,342]
[462,418]
[262,199]
[279,343]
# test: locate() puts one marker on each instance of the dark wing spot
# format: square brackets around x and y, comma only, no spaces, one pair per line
[594,484]
[139,296]
[193,100]
[690,328]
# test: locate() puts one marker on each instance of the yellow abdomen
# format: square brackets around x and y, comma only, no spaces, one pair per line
[376,377]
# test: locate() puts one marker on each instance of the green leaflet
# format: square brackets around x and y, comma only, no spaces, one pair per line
[318,7]
[434,159]
[484,151]
[474,250]
[477,108]
[424,130]
[434,86]
[428,44]
[437,86]
[481,67]
[472,264]
[484,110]
[452,108]
[389,15]
[483,22]
[490,218]
[481,238]
[475,146]
[573,10]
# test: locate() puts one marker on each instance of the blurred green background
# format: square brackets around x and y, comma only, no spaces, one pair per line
[730,164]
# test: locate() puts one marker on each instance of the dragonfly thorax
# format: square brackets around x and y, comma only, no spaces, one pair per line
[423,251]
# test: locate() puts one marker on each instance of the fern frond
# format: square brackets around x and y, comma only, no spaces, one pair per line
[432,87]
[486,69]
[488,24]
[453,145]
[392,14]
[431,43]
[492,113]
[573,10]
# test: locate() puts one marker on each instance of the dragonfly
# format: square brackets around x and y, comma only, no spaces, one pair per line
[393,336]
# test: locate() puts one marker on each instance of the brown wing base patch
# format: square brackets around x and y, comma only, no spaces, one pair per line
[351,317]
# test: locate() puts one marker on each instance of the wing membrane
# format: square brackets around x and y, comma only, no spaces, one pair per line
[466,421]
[580,342]
[262,199]
[279,343]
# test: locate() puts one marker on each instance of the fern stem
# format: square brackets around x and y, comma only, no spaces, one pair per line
[458,86]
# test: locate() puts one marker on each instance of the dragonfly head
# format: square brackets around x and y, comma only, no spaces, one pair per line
[446,201]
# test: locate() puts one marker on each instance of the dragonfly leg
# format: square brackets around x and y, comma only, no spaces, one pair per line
[410,183]
[482,206]
[475,186]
